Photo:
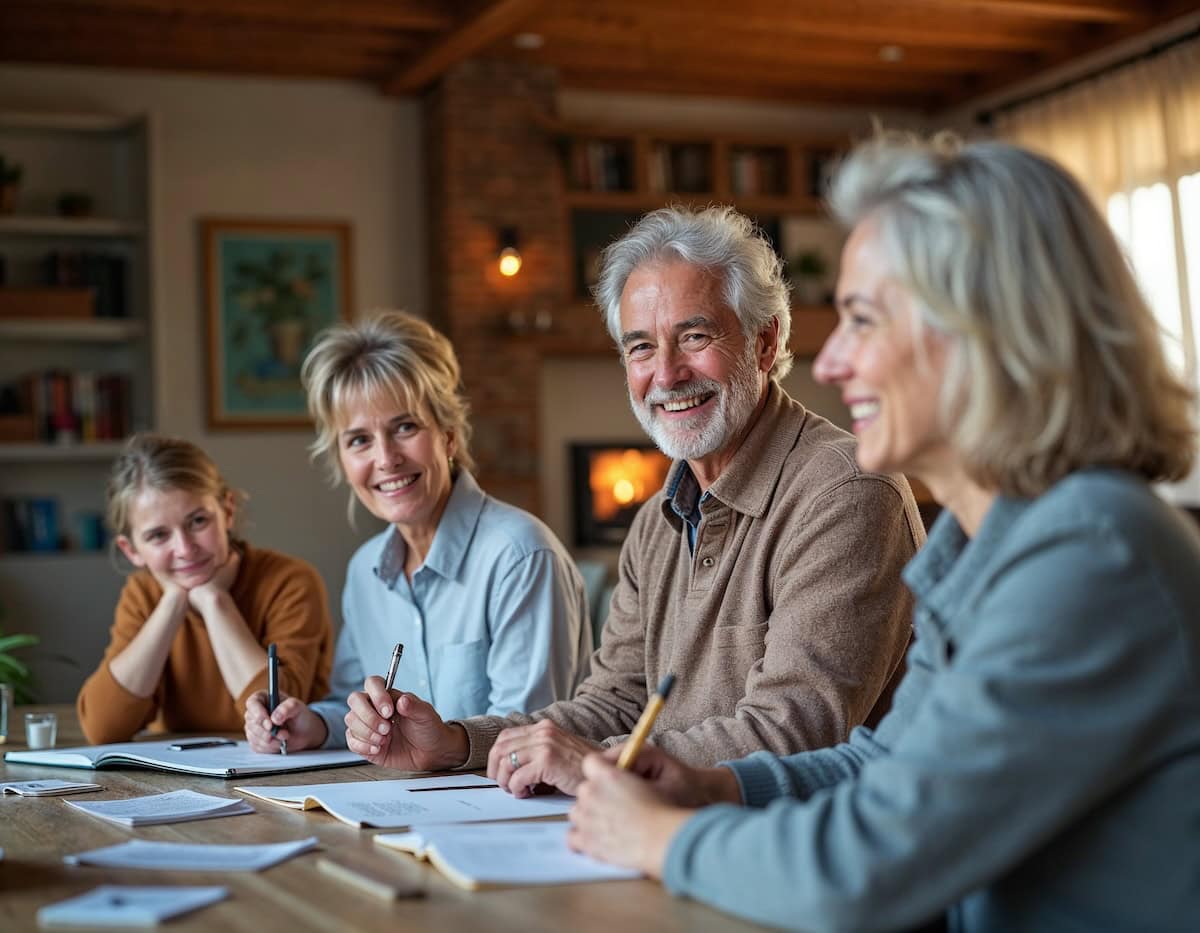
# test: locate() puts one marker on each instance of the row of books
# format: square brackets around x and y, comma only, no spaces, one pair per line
[106,275]
[682,167]
[28,524]
[601,165]
[758,171]
[75,406]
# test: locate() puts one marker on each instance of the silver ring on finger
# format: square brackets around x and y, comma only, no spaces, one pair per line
[514,760]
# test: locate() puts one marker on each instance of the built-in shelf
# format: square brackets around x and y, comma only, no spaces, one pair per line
[35,557]
[35,225]
[79,330]
[60,453]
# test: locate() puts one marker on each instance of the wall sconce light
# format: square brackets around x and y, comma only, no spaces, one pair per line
[509,255]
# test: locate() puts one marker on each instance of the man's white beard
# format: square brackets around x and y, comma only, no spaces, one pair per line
[703,434]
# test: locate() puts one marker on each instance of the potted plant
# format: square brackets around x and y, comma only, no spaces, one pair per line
[14,672]
[10,178]
[808,271]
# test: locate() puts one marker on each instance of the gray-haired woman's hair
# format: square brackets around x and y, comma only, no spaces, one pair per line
[722,241]
[1057,361]
[391,356]
[155,461]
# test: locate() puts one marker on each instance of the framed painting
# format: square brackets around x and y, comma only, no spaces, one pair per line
[271,287]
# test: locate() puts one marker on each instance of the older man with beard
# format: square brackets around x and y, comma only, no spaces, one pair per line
[765,576]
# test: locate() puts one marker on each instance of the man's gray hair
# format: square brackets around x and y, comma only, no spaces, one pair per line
[720,240]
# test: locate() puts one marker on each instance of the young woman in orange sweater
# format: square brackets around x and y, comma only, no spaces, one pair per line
[191,630]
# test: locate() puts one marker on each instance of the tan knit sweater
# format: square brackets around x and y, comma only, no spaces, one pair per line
[785,629]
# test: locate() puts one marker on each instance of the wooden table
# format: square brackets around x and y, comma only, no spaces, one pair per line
[37,832]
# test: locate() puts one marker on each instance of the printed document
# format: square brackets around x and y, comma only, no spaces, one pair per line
[192,856]
[123,905]
[175,807]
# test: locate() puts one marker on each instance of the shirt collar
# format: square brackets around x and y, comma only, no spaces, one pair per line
[748,482]
[950,565]
[451,540]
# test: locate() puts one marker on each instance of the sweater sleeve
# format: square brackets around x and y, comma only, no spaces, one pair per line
[1018,735]
[107,711]
[296,618]
[840,622]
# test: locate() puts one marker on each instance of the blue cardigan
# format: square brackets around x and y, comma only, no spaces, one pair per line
[1040,768]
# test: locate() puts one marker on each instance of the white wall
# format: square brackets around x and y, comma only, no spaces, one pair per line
[263,149]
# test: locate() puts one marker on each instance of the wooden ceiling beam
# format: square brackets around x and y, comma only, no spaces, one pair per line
[563,44]
[721,19]
[1074,11]
[493,21]
[422,15]
[171,34]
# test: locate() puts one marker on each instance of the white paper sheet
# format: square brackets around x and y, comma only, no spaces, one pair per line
[505,854]
[120,905]
[176,807]
[48,788]
[393,804]
[187,856]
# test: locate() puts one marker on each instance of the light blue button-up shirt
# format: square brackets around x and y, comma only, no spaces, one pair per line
[495,621]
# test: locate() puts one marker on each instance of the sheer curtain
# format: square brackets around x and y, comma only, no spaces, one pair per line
[1132,136]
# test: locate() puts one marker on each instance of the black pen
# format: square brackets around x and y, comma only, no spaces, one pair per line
[273,690]
[199,743]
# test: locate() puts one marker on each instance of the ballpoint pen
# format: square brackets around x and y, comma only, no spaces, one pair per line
[273,690]
[642,730]
[397,652]
[199,743]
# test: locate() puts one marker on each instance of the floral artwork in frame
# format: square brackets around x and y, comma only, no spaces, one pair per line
[272,286]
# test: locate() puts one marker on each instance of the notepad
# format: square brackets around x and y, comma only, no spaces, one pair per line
[504,855]
[122,905]
[463,798]
[224,761]
[189,856]
[176,807]
[50,788]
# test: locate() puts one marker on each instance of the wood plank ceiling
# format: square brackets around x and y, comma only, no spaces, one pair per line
[925,54]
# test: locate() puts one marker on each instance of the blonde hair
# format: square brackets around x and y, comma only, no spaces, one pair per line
[718,239]
[1057,361]
[391,356]
[155,461]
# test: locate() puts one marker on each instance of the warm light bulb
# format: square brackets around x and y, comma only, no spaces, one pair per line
[510,261]
[623,491]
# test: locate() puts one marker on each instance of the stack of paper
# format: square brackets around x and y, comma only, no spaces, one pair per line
[53,788]
[119,905]
[499,854]
[175,807]
[187,856]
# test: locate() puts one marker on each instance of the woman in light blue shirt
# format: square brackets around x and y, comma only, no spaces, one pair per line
[487,603]
[1040,767]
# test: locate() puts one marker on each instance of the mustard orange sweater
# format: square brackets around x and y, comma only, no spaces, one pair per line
[282,600]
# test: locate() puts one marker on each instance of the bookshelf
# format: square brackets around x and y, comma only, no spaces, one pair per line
[75,322]
[611,178]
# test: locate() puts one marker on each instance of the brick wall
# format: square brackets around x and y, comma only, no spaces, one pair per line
[492,162]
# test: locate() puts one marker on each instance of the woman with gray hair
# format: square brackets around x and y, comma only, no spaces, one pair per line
[1038,770]
[487,603]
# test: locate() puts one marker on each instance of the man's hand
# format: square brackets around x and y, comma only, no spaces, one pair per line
[620,817]
[298,725]
[680,784]
[398,730]
[545,754]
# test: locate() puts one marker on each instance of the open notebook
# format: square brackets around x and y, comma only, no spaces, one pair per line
[224,760]
[457,798]
[489,855]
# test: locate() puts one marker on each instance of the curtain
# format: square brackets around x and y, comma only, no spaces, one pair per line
[1132,136]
